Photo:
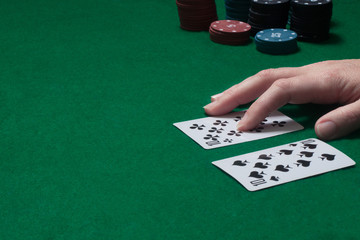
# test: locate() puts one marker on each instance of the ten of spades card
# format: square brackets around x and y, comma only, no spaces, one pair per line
[282,164]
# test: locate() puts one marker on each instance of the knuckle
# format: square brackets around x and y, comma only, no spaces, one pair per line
[266,74]
[330,75]
[350,116]
[283,84]
[232,91]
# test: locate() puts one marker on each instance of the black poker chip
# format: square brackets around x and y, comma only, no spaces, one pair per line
[237,9]
[264,14]
[270,5]
[310,19]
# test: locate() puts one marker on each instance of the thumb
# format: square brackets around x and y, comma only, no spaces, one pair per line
[339,122]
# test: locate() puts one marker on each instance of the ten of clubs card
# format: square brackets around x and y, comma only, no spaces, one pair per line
[282,164]
[219,131]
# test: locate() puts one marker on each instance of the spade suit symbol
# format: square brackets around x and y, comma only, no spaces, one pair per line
[261,165]
[240,163]
[285,151]
[310,146]
[306,154]
[282,168]
[274,178]
[327,156]
[303,163]
[265,157]
[256,174]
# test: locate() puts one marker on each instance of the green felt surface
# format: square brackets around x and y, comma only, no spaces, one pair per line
[89,91]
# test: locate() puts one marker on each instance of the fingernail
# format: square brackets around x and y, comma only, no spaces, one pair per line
[326,130]
[214,97]
[240,124]
[208,106]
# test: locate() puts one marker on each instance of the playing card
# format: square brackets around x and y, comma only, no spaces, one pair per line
[220,131]
[282,164]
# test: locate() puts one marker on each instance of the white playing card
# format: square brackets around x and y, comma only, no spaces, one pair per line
[282,164]
[220,131]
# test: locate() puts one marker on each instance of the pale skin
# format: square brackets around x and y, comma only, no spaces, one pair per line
[327,82]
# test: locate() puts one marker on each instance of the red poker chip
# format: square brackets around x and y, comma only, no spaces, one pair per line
[196,2]
[226,42]
[195,19]
[230,26]
[204,14]
[226,38]
[229,42]
[208,21]
[229,37]
[230,32]
[196,15]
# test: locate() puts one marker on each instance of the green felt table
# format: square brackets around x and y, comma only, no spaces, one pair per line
[89,91]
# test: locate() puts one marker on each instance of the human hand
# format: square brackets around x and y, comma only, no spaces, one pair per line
[325,82]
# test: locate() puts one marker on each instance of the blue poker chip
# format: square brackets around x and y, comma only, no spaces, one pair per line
[276,35]
[276,41]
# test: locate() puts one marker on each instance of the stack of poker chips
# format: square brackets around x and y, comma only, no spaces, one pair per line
[237,9]
[276,41]
[264,14]
[196,15]
[230,32]
[310,19]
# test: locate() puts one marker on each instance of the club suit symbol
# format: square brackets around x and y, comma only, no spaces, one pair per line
[256,174]
[265,156]
[257,129]
[221,123]
[282,168]
[303,163]
[306,154]
[329,157]
[285,152]
[211,137]
[277,123]
[240,163]
[237,118]
[197,126]
[261,165]
[216,130]
[235,133]
[263,122]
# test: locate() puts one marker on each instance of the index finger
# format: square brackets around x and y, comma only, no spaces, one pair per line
[292,90]
[248,90]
